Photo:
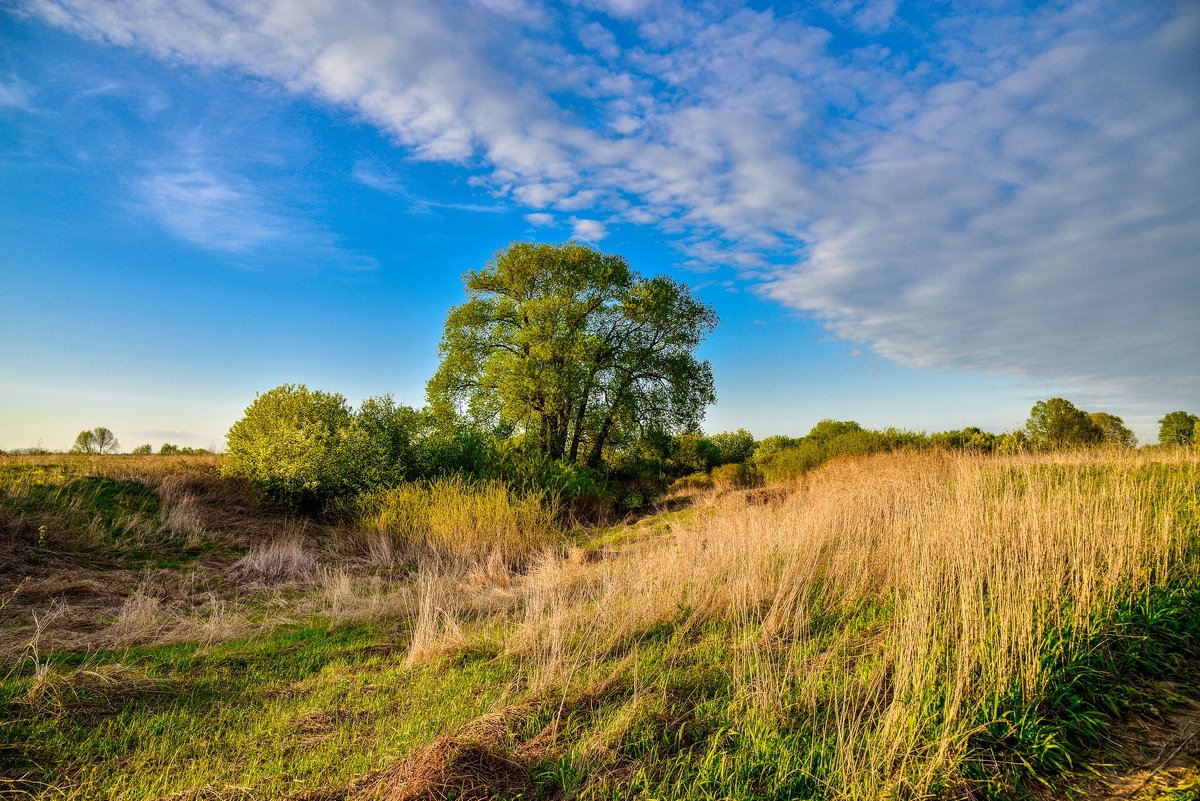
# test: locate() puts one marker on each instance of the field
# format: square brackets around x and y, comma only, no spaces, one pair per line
[909,625]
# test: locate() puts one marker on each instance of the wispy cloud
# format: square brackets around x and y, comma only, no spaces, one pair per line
[226,214]
[211,212]
[15,94]
[1014,191]
[380,179]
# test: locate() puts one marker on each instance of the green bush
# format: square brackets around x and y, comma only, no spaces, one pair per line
[742,475]
[302,447]
[694,481]
[793,462]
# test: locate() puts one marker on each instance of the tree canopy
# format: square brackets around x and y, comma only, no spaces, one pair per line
[1057,423]
[1112,429]
[572,351]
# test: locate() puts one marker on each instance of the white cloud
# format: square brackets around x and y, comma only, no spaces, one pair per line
[588,230]
[539,219]
[1044,226]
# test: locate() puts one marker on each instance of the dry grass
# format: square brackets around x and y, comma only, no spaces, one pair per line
[463,520]
[286,556]
[892,593]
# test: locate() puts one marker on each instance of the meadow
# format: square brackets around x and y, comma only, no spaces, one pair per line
[932,624]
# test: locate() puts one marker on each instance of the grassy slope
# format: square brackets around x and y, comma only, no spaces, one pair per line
[683,665]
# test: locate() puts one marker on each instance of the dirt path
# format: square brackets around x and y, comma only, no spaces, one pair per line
[1158,758]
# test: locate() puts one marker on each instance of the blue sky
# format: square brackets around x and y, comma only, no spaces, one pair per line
[925,215]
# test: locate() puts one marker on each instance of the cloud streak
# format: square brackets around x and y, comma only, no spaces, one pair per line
[1009,191]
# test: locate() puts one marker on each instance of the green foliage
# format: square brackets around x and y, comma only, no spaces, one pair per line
[142,450]
[694,481]
[779,458]
[692,453]
[795,461]
[99,441]
[1112,430]
[1178,428]
[302,447]
[1056,423]
[567,347]
[968,439]
[1012,442]
[771,445]
[828,429]
[742,475]
[735,446]
[168,449]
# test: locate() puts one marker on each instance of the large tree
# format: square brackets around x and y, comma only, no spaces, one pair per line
[571,350]
[1177,428]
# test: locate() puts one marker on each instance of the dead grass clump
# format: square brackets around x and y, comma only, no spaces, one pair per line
[349,598]
[488,757]
[142,618]
[183,517]
[451,767]
[438,622]
[283,558]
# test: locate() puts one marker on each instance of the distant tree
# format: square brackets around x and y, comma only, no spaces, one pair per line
[1113,430]
[735,446]
[773,444]
[142,450]
[572,350]
[168,449]
[969,439]
[1057,423]
[828,429]
[1012,442]
[98,440]
[1177,428]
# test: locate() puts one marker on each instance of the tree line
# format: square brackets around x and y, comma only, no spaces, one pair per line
[566,370]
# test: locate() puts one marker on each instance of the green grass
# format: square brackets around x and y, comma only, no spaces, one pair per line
[301,709]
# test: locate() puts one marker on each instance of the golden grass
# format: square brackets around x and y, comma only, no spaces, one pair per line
[892,593]
[463,520]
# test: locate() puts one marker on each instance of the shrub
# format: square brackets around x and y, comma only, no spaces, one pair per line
[735,446]
[794,462]
[693,481]
[742,475]
[301,447]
